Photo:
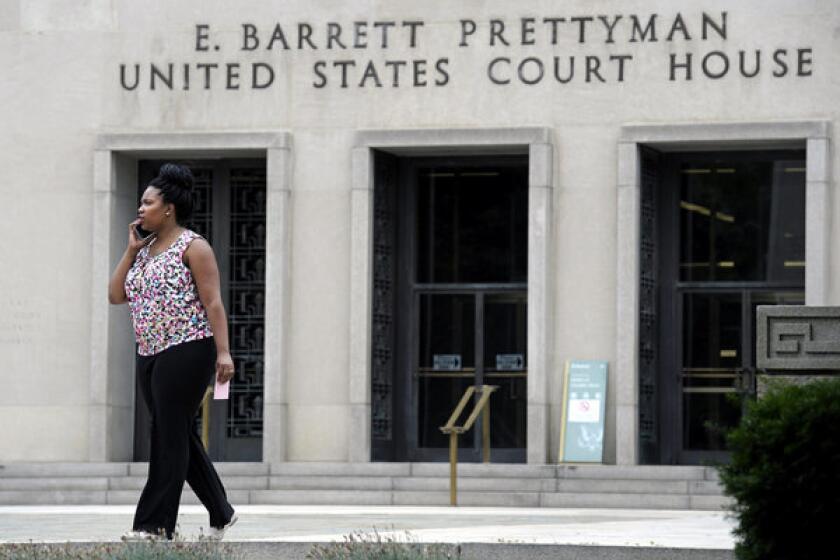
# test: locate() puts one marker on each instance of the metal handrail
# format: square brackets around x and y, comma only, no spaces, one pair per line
[483,405]
[205,418]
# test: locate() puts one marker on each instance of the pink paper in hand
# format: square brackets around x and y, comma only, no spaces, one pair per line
[221,390]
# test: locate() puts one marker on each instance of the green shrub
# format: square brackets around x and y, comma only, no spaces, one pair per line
[785,472]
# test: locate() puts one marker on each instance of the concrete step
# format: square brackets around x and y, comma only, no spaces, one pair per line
[131,497]
[322,497]
[56,469]
[623,501]
[610,486]
[330,483]
[341,469]
[637,472]
[636,501]
[229,482]
[708,487]
[414,483]
[12,484]
[713,503]
[223,468]
[512,485]
[489,499]
[114,483]
[387,497]
[475,484]
[491,470]
[485,499]
[52,497]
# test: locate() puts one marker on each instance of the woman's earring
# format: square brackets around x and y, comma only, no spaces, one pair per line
[167,213]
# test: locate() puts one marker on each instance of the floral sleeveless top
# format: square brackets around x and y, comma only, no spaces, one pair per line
[163,299]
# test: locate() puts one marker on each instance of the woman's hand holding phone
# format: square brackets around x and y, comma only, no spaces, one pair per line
[135,241]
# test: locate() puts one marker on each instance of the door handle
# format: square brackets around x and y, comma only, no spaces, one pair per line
[745,380]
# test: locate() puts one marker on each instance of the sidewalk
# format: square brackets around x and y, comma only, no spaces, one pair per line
[691,531]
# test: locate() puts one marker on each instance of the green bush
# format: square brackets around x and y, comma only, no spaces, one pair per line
[785,472]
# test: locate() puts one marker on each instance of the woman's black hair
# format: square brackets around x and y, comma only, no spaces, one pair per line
[175,183]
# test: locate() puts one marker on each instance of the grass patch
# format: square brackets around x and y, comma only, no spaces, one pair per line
[174,550]
[375,546]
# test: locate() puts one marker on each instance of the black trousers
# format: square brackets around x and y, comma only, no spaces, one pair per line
[173,383]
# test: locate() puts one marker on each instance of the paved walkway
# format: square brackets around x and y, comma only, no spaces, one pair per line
[606,527]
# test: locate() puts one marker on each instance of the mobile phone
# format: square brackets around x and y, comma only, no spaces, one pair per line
[142,234]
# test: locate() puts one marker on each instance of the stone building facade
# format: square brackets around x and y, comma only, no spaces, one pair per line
[409,198]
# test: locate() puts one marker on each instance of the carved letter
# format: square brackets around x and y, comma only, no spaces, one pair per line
[255,83]
[678,24]
[540,71]
[250,41]
[778,58]
[715,76]
[492,65]
[318,69]
[803,60]
[685,65]
[742,57]
[165,78]
[709,22]
[582,21]
[277,36]
[201,36]
[136,77]
[497,29]
[610,27]
[467,28]
[370,72]
[649,28]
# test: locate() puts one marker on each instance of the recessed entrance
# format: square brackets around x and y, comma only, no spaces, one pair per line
[726,233]
[450,302]
[229,211]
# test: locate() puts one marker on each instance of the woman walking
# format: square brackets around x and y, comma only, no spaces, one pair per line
[170,281]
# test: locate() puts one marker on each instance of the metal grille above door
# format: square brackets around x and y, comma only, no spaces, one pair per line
[230,212]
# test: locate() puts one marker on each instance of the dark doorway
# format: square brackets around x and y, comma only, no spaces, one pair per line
[450,302]
[730,236]
[229,211]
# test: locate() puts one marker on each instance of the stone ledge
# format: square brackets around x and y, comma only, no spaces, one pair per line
[413,140]
[468,551]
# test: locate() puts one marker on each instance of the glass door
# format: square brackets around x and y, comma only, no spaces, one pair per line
[718,364]
[466,339]
[734,239]
[467,284]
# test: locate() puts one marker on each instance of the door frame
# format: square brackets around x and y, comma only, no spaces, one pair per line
[115,157]
[409,292]
[671,304]
[537,143]
[220,447]
[673,448]
[814,136]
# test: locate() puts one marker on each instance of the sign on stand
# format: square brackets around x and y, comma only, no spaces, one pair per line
[584,405]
